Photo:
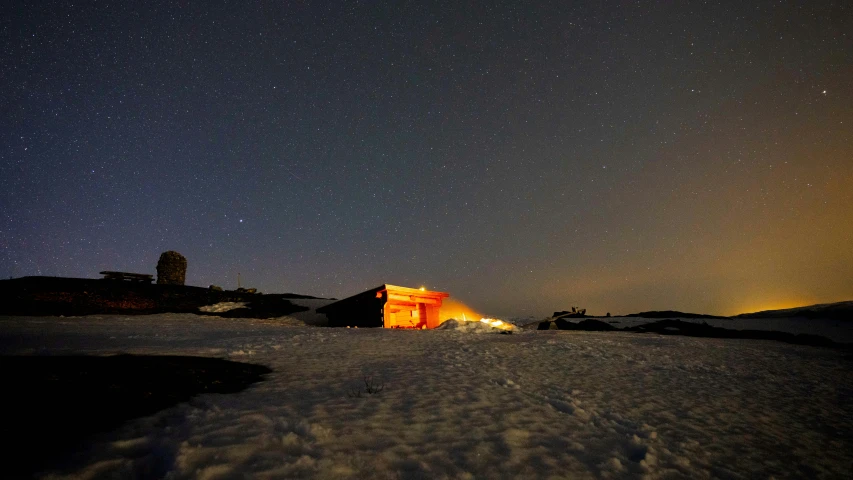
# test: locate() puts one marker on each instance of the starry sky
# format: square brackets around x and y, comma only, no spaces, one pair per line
[524,156]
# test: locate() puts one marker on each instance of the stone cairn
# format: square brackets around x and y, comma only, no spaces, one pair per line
[171,269]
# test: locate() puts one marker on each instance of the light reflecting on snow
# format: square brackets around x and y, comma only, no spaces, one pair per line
[457,405]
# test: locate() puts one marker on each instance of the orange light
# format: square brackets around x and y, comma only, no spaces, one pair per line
[774,305]
[494,323]
[452,308]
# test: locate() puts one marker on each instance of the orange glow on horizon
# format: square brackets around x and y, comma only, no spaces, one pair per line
[760,306]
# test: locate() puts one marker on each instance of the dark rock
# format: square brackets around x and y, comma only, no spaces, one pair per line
[98,394]
[690,329]
[673,314]
[37,296]
[575,312]
[171,269]
[842,311]
[679,327]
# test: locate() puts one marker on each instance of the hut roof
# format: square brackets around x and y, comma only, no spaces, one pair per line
[415,295]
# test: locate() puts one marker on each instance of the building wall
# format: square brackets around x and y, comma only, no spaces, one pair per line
[364,310]
[389,307]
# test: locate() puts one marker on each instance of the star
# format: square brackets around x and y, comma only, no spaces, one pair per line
[409,147]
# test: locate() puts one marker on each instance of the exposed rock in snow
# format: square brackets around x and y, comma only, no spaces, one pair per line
[222,307]
[481,326]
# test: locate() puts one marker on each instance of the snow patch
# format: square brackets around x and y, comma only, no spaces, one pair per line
[222,307]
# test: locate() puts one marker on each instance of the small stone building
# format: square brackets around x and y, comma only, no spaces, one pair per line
[388,306]
[171,269]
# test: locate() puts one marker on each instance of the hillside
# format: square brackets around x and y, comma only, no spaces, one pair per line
[833,311]
[85,296]
[672,314]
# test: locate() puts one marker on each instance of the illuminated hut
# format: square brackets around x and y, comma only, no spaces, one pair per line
[387,306]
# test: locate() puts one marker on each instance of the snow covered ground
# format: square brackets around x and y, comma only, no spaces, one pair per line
[461,405]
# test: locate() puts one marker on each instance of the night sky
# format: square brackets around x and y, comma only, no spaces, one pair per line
[524,157]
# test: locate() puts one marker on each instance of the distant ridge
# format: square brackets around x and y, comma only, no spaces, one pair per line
[833,311]
[671,314]
[55,296]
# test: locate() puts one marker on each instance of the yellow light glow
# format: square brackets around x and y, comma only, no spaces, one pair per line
[423,289]
[496,323]
[774,305]
[455,309]
[452,308]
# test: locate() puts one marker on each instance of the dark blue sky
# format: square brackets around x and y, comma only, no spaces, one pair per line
[619,156]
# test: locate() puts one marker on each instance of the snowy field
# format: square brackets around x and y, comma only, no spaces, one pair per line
[462,405]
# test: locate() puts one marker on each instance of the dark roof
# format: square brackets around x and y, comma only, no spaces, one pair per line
[370,294]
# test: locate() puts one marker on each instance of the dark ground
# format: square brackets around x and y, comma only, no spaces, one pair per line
[54,404]
[842,311]
[673,314]
[54,296]
[680,327]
